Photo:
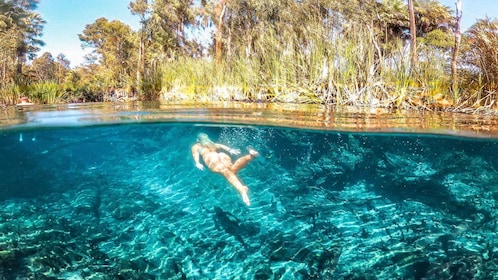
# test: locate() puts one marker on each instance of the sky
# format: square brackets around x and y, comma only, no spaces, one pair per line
[67,18]
[473,10]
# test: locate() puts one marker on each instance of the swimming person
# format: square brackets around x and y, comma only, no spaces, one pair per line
[221,162]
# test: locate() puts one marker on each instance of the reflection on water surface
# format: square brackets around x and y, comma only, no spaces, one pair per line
[319,117]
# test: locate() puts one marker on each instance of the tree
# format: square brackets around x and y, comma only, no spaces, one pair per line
[47,69]
[482,52]
[113,44]
[220,10]
[61,68]
[168,24]
[142,9]
[44,68]
[456,49]
[20,28]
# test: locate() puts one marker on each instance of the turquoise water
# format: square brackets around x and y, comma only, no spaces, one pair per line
[126,202]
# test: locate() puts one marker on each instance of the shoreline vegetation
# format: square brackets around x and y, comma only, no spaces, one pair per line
[352,53]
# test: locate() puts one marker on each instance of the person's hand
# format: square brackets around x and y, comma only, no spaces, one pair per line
[234,151]
[199,166]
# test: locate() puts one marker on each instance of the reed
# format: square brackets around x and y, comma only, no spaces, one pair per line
[328,66]
[186,78]
[10,94]
[45,93]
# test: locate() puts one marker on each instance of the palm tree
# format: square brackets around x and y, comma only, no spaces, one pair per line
[482,38]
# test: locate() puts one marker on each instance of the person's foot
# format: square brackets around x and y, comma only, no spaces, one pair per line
[253,153]
[245,198]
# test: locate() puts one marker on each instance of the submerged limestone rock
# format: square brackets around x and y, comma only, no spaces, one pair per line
[87,201]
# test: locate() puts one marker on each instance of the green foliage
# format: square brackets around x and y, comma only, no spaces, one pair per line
[47,69]
[187,77]
[274,56]
[41,93]
[20,28]
[9,94]
[151,85]
[439,38]
[168,25]
[45,93]
[114,43]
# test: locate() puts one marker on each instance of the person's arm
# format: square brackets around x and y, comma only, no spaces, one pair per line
[196,156]
[228,149]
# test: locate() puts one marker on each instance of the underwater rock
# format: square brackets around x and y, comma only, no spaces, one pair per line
[465,266]
[233,226]
[7,256]
[87,201]
[318,258]
[403,168]
[420,269]
[263,271]
[125,211]
[331,171]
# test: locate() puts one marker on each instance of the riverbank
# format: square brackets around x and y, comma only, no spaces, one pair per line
[376,98]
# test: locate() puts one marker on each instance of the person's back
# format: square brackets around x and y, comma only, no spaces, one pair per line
[221,162]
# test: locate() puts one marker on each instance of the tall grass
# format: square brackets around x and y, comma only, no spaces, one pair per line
[45,93]
[10,94]
[40,93]
[331,67]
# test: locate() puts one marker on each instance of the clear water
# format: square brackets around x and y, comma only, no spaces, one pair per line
[126,202]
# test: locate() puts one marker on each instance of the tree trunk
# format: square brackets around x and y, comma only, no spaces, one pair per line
[413,36]
[456,49]
[138,73]
[220,12]
[141,58]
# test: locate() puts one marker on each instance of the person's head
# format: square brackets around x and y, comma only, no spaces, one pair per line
[203,138]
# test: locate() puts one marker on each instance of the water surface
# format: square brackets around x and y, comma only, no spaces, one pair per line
[95,194]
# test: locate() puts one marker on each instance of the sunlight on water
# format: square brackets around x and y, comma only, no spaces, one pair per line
[302,116]
[125,201]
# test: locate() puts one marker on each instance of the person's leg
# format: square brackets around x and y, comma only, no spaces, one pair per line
[243,161]
[237,184]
